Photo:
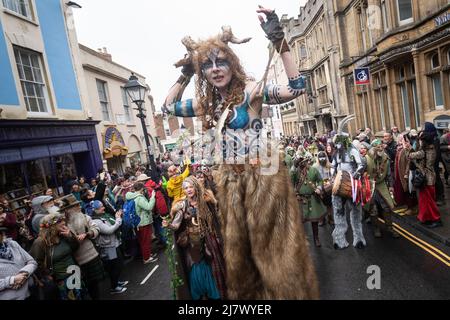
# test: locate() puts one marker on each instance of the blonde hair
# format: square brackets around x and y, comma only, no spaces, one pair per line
[205,216]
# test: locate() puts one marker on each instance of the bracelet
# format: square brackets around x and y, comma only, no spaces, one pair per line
[183,80]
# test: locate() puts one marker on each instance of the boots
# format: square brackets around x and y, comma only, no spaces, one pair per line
[375,226]
[388,220]
[315,228]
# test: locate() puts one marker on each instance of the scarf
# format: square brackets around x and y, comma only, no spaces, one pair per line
[5,252]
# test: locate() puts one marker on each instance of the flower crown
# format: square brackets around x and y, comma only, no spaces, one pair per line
[52,222]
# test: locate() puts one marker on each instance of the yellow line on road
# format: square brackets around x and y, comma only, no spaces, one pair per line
[424,248]
[423,242]
[411,238]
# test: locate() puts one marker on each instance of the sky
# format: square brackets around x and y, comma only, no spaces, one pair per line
[145,35]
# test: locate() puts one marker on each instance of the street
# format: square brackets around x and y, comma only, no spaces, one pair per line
[407,270]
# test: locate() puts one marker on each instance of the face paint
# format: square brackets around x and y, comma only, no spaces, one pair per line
[215,61]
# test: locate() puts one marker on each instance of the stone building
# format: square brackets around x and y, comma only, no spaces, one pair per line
[119,132]
[314,44]
[406,46]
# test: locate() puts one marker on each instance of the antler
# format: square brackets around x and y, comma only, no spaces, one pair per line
[191,46]
[344,122]
[227,36]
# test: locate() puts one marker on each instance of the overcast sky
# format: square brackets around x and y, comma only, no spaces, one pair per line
[144,35]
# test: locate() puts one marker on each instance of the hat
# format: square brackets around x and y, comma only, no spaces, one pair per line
[96,204]
[142,177]
[51,219]
[376,142]
[67,202]
[413,133]
[38,201]
[429,127]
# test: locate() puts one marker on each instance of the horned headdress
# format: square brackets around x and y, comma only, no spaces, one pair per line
[225,36]
[342,136]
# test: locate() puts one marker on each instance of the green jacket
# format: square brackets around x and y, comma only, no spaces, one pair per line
[143,206]
[380,172]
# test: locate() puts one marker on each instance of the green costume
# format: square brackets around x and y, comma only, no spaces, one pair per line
[312,207]
[378,169]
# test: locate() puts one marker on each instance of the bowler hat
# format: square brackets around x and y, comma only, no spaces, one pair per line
[67,202]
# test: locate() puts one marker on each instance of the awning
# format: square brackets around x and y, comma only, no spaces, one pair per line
[114,144]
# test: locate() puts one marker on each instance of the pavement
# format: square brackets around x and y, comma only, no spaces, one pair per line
[440,234]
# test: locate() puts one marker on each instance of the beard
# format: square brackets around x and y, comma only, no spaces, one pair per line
[53,209]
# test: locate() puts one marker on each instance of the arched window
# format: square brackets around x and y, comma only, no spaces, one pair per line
[435,61]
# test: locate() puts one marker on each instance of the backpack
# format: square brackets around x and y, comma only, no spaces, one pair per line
[130,218]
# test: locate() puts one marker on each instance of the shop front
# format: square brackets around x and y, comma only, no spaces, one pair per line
[36,155]
[114,149]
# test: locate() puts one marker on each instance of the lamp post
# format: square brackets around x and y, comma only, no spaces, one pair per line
[136,91]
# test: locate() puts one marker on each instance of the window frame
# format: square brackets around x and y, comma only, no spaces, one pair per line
[18,52]
[405,21]
[106,101]
[27,6]
[126,106]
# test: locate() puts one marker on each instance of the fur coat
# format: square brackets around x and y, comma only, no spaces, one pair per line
[265,248]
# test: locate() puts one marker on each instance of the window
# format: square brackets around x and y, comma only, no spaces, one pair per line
[303,52]
[34,89]
[21,7]
[448,57]
[126,106]
[404,9]
[385,15]
[401,73]
[437,91]
[103,96]
[435,61]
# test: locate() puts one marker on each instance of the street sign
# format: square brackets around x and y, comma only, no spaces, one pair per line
[362,76]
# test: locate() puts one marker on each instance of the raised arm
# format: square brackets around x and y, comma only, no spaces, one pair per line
[273,93]
[173,104]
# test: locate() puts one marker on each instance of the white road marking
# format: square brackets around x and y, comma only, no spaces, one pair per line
[150,274]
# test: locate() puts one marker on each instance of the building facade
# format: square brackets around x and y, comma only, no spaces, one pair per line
[406,46]
[314,44]
[119,131]
[46,134]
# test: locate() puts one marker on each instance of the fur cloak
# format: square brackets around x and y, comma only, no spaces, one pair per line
[265,248]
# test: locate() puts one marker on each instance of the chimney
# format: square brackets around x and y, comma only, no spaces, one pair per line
[104,52]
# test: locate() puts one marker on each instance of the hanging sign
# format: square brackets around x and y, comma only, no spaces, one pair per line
[361,76]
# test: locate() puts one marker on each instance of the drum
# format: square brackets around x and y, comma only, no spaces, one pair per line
[343,185]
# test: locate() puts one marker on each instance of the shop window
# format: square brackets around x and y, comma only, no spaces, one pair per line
[21,7]
[405,13]
[34,89]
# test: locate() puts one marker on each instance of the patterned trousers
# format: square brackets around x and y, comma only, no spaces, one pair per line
[340,208]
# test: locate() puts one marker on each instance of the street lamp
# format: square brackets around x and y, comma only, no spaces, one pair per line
[136,91]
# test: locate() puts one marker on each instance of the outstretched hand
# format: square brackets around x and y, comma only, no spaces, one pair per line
[271,25]
[263,10]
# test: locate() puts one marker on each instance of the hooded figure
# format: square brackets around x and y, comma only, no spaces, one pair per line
[42,206]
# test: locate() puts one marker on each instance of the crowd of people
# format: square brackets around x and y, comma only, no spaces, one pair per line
[96,226]
[388,171]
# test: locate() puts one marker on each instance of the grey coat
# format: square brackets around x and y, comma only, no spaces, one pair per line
[22,261]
